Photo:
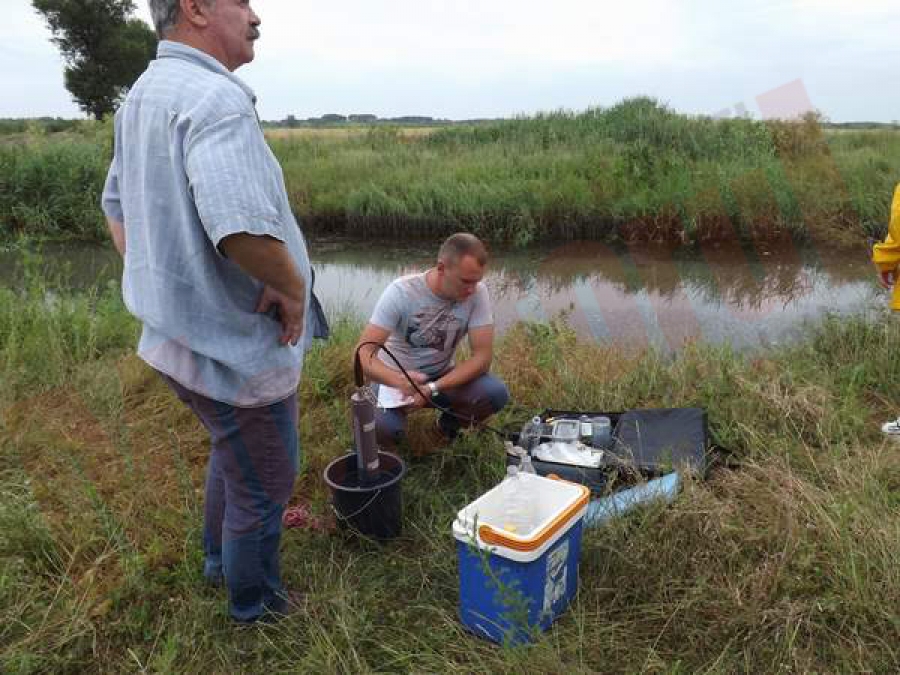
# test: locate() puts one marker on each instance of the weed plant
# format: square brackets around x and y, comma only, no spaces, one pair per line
[785,559]
[636,170]
[50,186]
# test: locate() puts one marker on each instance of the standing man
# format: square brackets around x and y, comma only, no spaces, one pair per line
[886,257]
[422,318]
[217,271]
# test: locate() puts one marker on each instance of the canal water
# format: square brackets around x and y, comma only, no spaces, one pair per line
[636,296]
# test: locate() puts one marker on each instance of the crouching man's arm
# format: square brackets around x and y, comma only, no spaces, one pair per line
[481,340]
[372,338]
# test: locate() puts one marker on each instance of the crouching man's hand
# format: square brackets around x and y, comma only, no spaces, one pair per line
[289,311]
[408,390]
[417,404]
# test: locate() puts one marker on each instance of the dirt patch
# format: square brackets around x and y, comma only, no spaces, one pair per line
[129,478]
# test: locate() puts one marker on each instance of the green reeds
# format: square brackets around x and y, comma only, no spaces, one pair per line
[50,186]
[636,170]
[47,333]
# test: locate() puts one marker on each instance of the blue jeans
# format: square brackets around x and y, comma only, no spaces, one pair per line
[475,401]
[252,465]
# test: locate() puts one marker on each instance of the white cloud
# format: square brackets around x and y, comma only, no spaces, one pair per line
[569,32]
[498,57]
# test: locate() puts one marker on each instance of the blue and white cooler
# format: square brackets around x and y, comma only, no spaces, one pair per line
[513,585]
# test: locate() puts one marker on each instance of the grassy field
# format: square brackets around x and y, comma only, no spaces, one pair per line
[636,171]
[787,559]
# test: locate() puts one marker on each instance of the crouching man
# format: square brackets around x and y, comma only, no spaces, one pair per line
[421,318]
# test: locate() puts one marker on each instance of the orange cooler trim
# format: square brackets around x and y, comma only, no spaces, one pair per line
[495,537]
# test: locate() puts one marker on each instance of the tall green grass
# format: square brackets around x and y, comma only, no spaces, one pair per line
[786,559]
[50,185]
[46,332]
[636,170]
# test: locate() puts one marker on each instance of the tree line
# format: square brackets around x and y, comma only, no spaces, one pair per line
[335,119]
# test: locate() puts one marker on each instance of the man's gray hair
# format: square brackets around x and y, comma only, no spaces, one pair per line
[165,14]
[461,244]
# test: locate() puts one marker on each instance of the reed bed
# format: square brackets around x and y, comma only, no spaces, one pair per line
[634,171]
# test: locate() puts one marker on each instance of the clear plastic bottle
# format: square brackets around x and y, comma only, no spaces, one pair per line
[516,505]
[525,465]
[531,434]
[520,453]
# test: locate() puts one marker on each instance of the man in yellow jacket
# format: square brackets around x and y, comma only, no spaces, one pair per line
[886,257]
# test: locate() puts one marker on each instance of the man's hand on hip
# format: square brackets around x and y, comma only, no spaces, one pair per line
[290,313]
[268,260]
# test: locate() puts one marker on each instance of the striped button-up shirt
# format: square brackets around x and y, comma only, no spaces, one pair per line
[191,166]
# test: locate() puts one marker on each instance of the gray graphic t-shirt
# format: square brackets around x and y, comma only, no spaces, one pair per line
[425,329]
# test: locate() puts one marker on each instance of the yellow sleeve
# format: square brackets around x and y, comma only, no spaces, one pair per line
[886,255]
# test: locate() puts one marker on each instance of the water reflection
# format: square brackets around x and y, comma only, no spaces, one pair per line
[635,296]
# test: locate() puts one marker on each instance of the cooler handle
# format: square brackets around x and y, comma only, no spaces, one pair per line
[491,535]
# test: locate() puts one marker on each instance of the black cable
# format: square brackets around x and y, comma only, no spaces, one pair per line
[359,377]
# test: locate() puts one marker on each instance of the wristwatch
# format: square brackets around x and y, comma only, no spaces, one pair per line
[433,388]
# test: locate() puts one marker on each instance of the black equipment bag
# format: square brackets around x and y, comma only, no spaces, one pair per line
[660,440]
[651,441]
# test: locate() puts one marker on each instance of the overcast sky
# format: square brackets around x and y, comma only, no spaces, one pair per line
[463,59]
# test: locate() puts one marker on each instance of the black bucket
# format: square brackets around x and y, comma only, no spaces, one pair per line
[374,509]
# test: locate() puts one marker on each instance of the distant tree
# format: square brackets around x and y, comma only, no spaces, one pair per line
[290,122]
[363,118]
[104,49]
[412,119]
